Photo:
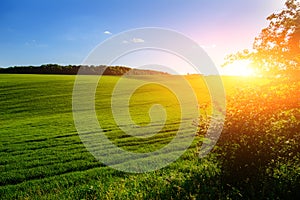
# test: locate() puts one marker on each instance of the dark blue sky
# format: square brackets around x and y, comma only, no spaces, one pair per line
[34,32]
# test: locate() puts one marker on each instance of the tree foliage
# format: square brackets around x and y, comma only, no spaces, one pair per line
[73,70]
[276,50]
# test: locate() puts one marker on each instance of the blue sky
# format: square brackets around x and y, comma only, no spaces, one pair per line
[34,32]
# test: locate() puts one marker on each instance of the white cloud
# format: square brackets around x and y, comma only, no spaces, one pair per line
[138,40]
[107,32]
[34,43]
[133,40]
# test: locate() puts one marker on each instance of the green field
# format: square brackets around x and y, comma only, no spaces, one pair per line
[42,156]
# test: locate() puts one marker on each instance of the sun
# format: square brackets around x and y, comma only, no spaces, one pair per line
[239,68]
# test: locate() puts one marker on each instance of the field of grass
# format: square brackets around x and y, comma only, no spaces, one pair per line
[42,156]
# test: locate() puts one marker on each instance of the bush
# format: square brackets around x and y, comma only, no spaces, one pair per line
[259,145]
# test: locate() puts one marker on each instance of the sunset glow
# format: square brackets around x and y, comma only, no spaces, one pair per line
[239,68]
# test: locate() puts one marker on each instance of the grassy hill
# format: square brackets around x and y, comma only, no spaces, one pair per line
[42,156]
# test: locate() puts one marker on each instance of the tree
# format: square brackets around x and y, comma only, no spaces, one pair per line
[276,50]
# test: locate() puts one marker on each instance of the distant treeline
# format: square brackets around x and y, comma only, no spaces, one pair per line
[73,70]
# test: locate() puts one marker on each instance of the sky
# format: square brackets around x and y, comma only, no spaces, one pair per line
[35,32]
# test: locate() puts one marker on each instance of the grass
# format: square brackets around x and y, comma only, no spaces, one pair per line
[42,156]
